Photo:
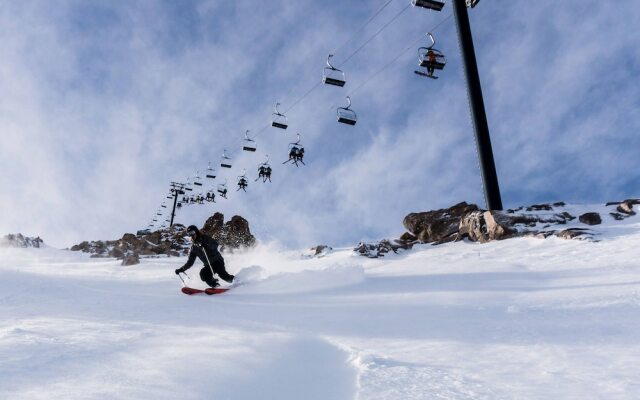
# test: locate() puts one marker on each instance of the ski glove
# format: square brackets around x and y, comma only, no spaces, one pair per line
[179,271]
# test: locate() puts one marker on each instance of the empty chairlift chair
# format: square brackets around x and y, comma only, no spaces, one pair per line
[279,120]
[225,160]
[196,180]
[429,4]
[332,75]
[248,144]
[430,59]
[211,173]
[346,115]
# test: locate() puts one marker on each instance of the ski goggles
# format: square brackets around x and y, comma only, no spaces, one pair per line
[191,233]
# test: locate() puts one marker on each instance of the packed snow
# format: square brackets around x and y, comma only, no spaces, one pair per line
[523,318]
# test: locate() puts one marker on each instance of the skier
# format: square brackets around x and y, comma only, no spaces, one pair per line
[206,249]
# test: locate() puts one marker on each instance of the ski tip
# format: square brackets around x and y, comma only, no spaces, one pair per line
[215,290]
[190,291]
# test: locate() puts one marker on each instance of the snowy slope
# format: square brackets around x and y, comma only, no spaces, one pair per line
[523,318]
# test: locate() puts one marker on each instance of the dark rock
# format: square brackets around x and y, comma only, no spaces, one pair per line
[375,250]
[590,218]
[617,216]
[233,234]
[131,259]
[214,224]
[540,207]
[567,216]
[573,233]
[434,226]
[626,208]
[408,237]
[116,253]
[559,204]
[320,249]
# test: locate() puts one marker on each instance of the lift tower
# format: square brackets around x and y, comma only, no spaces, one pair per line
[476,103]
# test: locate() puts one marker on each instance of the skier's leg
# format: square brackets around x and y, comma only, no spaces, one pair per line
[218,267]
[207,277]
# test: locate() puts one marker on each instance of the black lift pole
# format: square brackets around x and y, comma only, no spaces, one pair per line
[176,189]
[479,117]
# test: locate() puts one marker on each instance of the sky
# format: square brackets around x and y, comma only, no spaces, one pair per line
[103,103]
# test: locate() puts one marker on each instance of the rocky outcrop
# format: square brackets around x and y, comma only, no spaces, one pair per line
[437,226]
[233,234]
[468,222]
[170,242]
[624,209]
[18,240]
[129,248]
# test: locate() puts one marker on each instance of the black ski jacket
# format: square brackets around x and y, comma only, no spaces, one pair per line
[206,249]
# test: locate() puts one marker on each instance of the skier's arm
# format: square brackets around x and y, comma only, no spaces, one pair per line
[189,263]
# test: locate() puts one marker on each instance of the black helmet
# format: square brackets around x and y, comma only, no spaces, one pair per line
[193,230]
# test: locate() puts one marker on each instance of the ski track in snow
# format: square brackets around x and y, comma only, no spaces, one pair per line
[522,318]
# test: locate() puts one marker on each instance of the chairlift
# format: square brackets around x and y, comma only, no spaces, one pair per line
[225,161]
[169,197]
[296,152]
[430,59]
[242,181]
[472,3]
[429,4]
[264,171]
[278,119]
[179,205]
[197,180]
[332,75]
[346,115]
[222,189]
[249,144]
[211,173]
[211,196]
[154,220]
[163,205]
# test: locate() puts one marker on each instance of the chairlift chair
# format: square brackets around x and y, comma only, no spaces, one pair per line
[264,171]
[222,189]
[248,143]
[296,152]
[332,75]
[429,4]
[225,161]
[196,180]
[243,182]
[472,3]
[279,120]
[346,115]
[211,173]
[431,59]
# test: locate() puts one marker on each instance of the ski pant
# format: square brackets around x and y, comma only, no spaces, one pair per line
[217,265]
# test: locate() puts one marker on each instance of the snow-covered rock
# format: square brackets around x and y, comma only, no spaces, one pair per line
[18,240]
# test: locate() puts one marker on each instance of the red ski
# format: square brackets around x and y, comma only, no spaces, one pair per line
[190,291]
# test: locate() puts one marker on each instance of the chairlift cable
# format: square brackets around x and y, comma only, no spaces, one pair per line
[375,34]
[337,50]
[411,46]
[375,74]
